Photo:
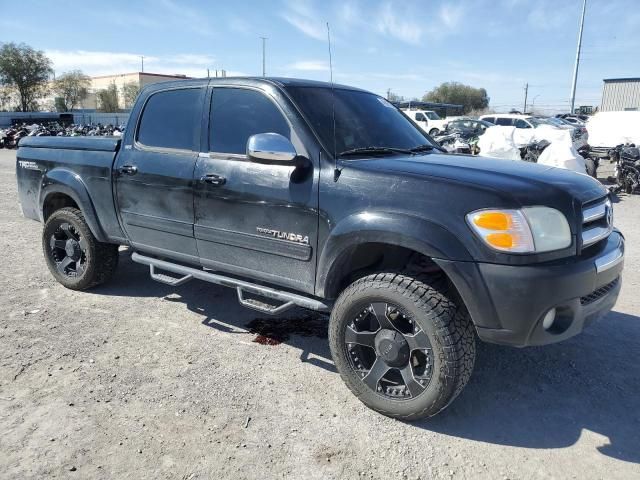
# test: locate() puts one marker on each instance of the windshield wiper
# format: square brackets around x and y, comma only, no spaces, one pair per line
[375,150]
[423,148]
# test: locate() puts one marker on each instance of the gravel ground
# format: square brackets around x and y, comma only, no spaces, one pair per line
[138,377]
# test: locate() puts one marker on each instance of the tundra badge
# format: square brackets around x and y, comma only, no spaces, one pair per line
[293,237]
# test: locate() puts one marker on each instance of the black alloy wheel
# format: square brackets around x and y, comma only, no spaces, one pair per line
[74,256]
[68,250]
[389,351]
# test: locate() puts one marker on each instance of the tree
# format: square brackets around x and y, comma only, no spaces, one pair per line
[72,87]
[27,70]
[394,97]
[453,92]
[108,99]
[6,96]
[130,92]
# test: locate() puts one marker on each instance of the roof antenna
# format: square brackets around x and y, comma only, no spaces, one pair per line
[336,170]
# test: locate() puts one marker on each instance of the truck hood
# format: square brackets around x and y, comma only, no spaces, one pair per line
[528,183]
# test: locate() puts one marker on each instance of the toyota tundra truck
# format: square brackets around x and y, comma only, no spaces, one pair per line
[307,194]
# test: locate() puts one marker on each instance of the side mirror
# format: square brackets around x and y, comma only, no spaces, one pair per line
[271,147]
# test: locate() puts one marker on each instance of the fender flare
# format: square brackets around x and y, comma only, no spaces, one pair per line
[397,229]
[60,180]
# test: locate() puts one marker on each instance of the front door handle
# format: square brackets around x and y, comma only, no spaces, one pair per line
[213,179]
[128,170]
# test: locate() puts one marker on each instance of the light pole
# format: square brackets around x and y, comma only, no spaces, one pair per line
[264,70]
[575,68]
[533,103]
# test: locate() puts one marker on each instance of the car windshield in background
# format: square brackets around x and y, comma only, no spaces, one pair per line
[432,116]
[537,121]
[363,120]
[558,122]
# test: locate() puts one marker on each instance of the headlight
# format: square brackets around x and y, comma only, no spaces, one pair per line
[529,230]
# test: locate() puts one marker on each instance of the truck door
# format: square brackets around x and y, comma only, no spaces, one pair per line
[422,121]
[254,219]
[154,174]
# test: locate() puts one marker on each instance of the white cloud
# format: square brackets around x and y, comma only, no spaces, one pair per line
[450,15]
[302,16]
[189,18]
[310,65]
[108,63]
[394,25]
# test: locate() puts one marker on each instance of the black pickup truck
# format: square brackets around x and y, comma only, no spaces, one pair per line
[301,193]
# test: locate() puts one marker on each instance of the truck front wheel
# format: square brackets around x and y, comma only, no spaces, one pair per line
[74,257]
[402,345]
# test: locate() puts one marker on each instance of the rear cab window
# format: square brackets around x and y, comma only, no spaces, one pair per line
[170,119]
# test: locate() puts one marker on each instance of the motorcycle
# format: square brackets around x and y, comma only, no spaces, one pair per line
[627,169]
[591,160]
[454,143]
[532,151]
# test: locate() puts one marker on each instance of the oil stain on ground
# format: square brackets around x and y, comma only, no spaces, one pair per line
[274,331]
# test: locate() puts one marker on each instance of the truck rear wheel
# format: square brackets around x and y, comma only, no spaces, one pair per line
[74,257]
[402,345]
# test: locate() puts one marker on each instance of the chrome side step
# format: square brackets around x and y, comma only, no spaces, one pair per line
[188,273]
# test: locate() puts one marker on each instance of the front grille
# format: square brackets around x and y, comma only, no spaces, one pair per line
[597,222]
[599,293]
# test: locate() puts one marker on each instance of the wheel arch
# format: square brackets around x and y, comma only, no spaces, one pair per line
[400,233]
[64,188]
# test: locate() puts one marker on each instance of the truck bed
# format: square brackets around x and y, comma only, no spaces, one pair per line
[69,161]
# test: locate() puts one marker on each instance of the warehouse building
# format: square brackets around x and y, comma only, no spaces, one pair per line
[140,79]
[620,94]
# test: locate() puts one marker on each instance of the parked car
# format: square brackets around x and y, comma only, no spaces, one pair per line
[579,134]
[467,126]
[573,119]
[427,120]
[302,193]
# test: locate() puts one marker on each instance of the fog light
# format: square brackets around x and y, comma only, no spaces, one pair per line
[548,319]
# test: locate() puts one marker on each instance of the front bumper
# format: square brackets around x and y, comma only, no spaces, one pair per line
[581,290]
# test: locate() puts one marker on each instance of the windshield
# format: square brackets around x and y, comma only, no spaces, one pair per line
[362,119]
[553,121]
[432,115]
[537,121]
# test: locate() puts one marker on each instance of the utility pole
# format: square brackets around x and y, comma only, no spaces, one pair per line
[264,70]
[207,73]
[533,104]
[575,68]
[142,61]
[526,92]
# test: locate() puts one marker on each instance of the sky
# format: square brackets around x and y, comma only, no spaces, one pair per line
[406,46]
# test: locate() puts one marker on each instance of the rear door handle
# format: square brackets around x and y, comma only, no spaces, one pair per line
[128,170]
[213,179]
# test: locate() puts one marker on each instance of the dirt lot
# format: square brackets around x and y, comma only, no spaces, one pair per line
[138,377]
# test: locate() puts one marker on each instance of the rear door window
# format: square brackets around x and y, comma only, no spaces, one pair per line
[505,122]
[521,124]
[170,119]
[238,113]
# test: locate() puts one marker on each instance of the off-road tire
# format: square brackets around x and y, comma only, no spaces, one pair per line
[439,313]
[101,258]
